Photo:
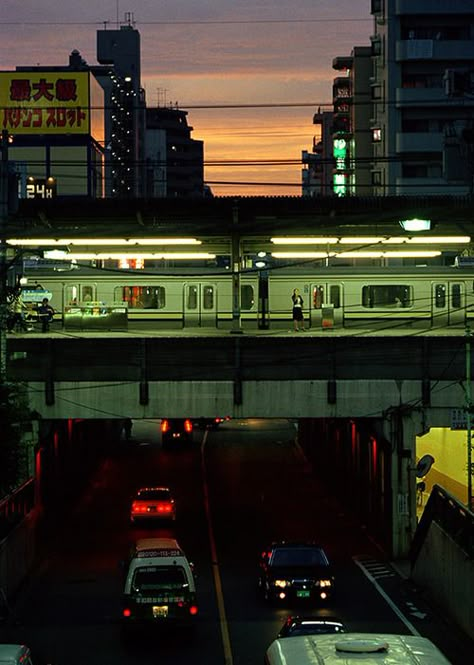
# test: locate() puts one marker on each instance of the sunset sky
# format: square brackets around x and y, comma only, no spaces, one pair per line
[211,53]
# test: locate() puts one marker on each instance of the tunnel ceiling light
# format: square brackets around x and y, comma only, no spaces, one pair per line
[89,256]
[27,242]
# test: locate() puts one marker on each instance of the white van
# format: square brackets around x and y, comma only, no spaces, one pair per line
[159,586]
[357,648]
[15,654]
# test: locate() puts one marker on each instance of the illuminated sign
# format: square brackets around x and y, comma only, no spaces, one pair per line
[40,188]
[41,102]
[340,156]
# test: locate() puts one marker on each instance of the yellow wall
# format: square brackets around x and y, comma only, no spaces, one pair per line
[449,449]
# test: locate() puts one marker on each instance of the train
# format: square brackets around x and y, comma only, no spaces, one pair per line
[349,296]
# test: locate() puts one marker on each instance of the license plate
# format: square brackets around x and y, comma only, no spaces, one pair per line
[160,611]
[302,594]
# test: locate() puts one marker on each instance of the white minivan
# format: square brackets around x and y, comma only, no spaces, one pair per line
[354,648]
[159,585]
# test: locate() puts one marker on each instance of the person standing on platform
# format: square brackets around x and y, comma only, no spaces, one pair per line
[298,319]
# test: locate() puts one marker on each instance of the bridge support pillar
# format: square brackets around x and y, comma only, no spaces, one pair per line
[401,429]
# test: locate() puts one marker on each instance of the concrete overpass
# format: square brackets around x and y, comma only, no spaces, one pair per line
[394,386]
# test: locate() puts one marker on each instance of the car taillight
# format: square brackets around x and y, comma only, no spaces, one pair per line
[164,507]
[127,612]
[165,425]
[188,426]
[193,610]
[138,507]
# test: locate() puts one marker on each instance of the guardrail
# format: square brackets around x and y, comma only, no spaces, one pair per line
[451,515]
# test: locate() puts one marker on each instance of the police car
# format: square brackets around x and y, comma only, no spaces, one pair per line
[159,585]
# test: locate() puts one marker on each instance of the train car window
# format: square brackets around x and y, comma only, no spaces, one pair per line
[192,297]
[247,299]
[440,295]
[335,295]
[141,297]
[87,294]
[456,300]
[387,296]
[208,297]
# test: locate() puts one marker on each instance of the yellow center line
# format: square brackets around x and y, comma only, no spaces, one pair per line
[228,659]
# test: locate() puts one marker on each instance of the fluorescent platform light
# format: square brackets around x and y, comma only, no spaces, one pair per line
[301,255]
[61,242]
[89,256]
[304,241]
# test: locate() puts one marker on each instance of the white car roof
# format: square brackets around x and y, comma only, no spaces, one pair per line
[357,648]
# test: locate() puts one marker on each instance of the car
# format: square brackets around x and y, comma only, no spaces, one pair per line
[153,503]
[211,423]
[309,625]
[295,571]
[159,585]
[175,431]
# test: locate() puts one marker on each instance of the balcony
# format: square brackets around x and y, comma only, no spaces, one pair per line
[431,7]
[419,142]
[428,97]
[433,49]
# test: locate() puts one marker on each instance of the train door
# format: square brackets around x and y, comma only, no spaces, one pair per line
[448,303]
[324,293]
[200,304]
[79,294]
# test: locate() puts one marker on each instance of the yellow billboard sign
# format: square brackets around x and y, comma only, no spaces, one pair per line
[45,102]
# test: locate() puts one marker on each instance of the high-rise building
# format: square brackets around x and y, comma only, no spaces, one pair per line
[174,161]
[423,97]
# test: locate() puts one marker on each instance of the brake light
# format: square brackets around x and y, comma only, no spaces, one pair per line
[193,610]
[164,507]
[138,507]
[165,425]
[127,612]
[188,426]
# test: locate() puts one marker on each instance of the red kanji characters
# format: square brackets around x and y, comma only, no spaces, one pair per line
[43,89]
[20,90]
[66,90]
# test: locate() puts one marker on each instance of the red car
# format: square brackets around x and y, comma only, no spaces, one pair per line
[153,503]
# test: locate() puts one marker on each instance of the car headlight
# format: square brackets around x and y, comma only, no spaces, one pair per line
[281,584]
[325,583]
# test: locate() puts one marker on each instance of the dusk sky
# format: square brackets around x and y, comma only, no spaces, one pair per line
[210,53]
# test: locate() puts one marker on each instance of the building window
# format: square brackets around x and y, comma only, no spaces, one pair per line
[376,91]
[376,134]
[376,6]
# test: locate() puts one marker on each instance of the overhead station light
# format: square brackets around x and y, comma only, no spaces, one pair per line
[374,240]
[359,254]
[416,224]
[168,256]
[104,242]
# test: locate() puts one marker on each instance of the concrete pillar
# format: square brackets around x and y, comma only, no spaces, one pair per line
[401,429]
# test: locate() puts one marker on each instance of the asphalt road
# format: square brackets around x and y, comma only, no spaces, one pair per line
[236,489]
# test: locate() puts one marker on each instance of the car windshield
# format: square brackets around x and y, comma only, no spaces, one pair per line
[153,495]
[159,578]
[298,556]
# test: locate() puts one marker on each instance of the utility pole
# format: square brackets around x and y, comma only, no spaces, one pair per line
[3,255]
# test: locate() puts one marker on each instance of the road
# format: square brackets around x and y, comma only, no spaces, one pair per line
[236,489]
